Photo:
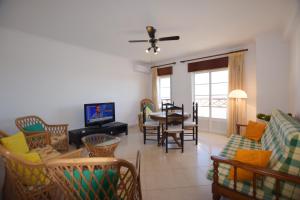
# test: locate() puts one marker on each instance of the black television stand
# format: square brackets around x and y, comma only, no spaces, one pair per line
[111,128]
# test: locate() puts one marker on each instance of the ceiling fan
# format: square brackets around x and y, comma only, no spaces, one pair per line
[153,41]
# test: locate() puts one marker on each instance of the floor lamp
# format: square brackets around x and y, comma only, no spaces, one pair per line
[237,95]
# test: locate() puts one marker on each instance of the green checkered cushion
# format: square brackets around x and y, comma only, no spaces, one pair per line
[237,142]
[282,137]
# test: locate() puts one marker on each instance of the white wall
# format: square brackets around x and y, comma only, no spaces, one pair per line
[295,71]
[182,86]
[272,72]
[53,80]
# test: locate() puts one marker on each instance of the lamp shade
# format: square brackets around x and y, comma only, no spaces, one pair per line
[238,94]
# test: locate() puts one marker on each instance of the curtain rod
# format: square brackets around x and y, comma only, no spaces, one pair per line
[221,54]
[173,63]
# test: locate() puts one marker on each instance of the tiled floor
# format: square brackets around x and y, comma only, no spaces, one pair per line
[171,176]
[174,175]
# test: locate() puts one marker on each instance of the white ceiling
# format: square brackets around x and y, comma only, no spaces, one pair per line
[107,25]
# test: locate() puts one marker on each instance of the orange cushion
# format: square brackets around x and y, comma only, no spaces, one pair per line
[258,158]
[255,130]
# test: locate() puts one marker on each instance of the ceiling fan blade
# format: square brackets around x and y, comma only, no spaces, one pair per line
[169,38]
[151,31]
[138,41]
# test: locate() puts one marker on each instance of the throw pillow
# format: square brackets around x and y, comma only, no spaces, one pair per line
[148,111]
[258,158]
[255,130]
[15,143]
[30,176]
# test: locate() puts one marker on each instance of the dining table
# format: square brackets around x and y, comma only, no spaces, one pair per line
[161,118]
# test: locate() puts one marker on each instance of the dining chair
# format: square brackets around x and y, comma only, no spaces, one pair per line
[192,125]
[145,102]
[150,128]
[164,106]
[177,113]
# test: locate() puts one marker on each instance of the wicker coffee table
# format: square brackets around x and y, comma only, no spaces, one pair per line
[101,145]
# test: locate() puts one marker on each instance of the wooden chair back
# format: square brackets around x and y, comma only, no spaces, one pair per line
[119,179]
[175,113]
[195,113]
[164,106]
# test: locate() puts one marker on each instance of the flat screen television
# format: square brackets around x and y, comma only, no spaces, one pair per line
[96,114]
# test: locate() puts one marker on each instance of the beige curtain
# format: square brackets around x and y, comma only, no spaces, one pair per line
[154,87]
[236,108]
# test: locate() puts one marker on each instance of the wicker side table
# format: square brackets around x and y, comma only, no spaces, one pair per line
[101,145]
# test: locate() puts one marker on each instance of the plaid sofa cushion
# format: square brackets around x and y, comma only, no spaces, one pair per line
[282,137]
[237,142]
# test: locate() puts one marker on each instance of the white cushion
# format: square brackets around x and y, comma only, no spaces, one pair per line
[151,123]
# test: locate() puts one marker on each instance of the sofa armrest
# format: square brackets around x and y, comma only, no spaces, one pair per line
[238,128]
[279,176]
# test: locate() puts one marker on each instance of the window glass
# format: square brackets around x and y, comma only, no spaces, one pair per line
[210,92]
[164,88]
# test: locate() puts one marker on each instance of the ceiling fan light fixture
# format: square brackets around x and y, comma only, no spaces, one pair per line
[157,49]
[148,50]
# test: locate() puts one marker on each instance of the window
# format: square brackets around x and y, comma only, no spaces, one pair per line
[164,89]
[210,92]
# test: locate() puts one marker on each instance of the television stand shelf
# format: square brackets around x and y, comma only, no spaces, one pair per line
[111,128]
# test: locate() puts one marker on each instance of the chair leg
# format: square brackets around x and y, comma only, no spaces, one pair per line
[158,135]
[144,130]
[166,142]
[196,135]
[193,133]
[182,141]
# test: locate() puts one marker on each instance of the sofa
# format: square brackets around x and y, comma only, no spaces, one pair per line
[280,180]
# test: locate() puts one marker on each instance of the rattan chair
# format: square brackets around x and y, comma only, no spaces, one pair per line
[150,128]
[24,179]
[192,125]
[57,134]
[145,102]
[79,178]
[28,180]
[138,169]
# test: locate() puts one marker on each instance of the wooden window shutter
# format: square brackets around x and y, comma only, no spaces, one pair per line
[164,71]
[208,64]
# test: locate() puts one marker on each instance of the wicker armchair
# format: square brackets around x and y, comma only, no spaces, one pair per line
[148,103]
[56,135]
[24,179]
[79,178]
[29,180]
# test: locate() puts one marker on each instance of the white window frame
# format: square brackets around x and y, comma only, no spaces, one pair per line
[210,88]
[159,90]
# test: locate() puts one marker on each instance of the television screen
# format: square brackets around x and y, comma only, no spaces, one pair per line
[99,113]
